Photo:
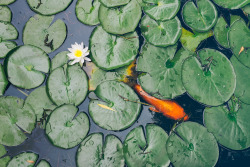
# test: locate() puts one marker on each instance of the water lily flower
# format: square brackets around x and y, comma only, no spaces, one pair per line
[78,54]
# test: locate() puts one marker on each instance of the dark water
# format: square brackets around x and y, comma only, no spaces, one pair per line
[37,142]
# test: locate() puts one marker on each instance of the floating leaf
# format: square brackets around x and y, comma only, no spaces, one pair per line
[43,163]
[235,4]
[5,47]
[4,161]
[25,159]
[5,13]
[114,3]
[6,2]
[59,60]
[246,9]
[3,81]
[8,31]
[2,150]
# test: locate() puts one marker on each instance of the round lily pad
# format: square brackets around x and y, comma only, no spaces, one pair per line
[230,126]
[43,163]
[26,159]
[2,150]
[5,47]
[111,51]
[141,150]
[246,9]
[162,69]
[67,85]
[5,13]
[239,40]
[190,144]
[210,78]
[41,32]
[8,31]
[235,4]
[120,20]
[65,129]
[59,60]
[112,112]
[163,33]
[114,3]
[161,9]
[4,161]
[201,18]
[87,11]
[49,7]
[3,81]
[93,151]
[6,2]
[26,66]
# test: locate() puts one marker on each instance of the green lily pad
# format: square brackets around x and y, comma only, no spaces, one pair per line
[4,161]
[242,90]
[110,51]
[41,32]
[67,85]
[235,4]
[64,129]
[112,112]
[7,31]
[87,11]
[120,20]
[190,144]
[230,126]
[43,163]
[26,66]
[26,159]
[13,116]
[3,81]
[212,84]
[2,150]
[49,7]
[141,150]
[200,19]
[163,33]
[6,2]
[59,60]
[5,47]
[114,3]
[163,71]
[161,9]
[93,151]
[246,9]
[239,37]
[5,13]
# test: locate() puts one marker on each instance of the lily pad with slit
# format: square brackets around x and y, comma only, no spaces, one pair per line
[110,51]
[161,9]
[15,120]
[26,159]
[48,7]
[5,47]
[141,149]
[120,20]
[3,80]
[94,151]
[87,11]
[209,78]
[230,124]
[41,32]
[67,85]
[200,18]
[6,2]
[59,60]
[162,71]
[8,31]
[5,14]
[190,144]
[114,3]
[26,66]
[43,163]
[65,129]
[112,112]
[162,33]
[235,4]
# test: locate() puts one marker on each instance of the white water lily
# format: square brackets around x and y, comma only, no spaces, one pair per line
[78,53]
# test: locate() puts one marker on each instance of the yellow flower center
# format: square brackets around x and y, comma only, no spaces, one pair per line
[78,53]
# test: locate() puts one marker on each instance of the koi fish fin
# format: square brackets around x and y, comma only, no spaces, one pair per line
[153,109]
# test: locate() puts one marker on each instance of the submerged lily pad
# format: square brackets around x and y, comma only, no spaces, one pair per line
[41,32]
[163,33]
[114,3]
[120,20]
[201,18]
[5,13]
[59,60]
[93,151]
[112,112]
[8,31]
[111,51]
[6,2]
[141,150]
[87,11]
[67,85]
[3,81]
[5,47]
[48,7]
[211,80]
[235,4]
[26,159]
[43,163]
[26,66]
[163,71]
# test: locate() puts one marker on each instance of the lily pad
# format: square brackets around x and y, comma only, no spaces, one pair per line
[87,11]
[112,112]
[163,71]
[161,9]
[201,18]
[49,7]
[41,32]
[59,60]
[163,33]
[110,51]
[26,159]
[235,4]
[239,40]
[190,144]
[26,66]
[14,117]
[93,151]
[5,13]
[141,150]
[210,80]
[120,20]
[66,130]
[114,3]
[5,47]
[246,9]
[3,81]
[67,85]
[8,31]
[43,163]
[4,161]
[230,126]
[6,2]
[2,150]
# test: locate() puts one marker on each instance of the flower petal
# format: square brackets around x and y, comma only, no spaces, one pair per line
[75,61]
[87,59]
